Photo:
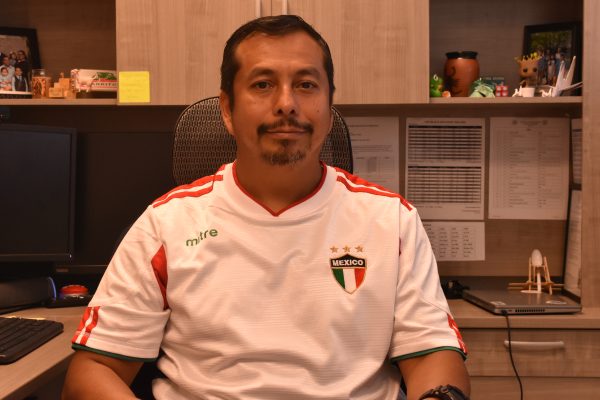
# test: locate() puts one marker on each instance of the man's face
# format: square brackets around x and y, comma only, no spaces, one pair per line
[5,61]
[281,112]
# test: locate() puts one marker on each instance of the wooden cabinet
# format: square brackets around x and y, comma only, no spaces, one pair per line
[179,42]
[70,35]
[569,370]
[556,356]
[379,48]
[590,252]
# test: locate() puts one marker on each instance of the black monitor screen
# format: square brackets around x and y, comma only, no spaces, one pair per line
[37,193]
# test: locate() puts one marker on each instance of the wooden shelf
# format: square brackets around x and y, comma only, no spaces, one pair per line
[57,102]
[507,100]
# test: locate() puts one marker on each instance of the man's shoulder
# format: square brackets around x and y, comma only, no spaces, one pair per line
[357,185]
[197,189]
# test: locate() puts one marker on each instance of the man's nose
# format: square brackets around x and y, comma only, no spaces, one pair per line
[285,103]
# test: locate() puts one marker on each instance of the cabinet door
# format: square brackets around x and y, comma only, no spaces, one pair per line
[380,48]
[590,236]
[180,42]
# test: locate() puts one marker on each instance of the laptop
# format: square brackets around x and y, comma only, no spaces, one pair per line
[512,302]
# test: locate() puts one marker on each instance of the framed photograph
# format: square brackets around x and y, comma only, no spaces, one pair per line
[18,52]
[557,44]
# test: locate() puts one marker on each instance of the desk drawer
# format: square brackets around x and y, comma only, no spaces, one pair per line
[541,352]
[504,388]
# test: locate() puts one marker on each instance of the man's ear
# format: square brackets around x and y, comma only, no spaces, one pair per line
[225,106]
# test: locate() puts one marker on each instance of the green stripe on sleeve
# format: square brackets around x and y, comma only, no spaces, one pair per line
[428,351]
[76,346]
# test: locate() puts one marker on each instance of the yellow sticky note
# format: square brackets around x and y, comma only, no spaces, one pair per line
[134,87]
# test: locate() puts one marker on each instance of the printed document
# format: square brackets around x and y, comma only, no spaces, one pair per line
[456,241]
[375,142]
[529,168]
[445,167]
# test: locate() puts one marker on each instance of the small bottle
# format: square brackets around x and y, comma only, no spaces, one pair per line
[40,83]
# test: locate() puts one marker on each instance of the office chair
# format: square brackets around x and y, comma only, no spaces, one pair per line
[202,143]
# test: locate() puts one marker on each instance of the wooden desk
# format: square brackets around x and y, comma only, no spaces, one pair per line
[570,371]
[45,364]
[569,366]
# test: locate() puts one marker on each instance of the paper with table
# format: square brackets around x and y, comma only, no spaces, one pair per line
[529,168]
[445,167]
[375,142]
[445,173]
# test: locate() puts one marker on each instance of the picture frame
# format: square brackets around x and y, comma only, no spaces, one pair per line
[14,40]
[557,43]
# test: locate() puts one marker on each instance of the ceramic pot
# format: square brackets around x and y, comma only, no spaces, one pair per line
[461,69]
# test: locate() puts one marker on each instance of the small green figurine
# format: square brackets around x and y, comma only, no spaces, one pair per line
[436,86]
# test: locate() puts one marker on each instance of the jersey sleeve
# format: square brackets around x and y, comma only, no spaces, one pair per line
[422,319]
[128,313]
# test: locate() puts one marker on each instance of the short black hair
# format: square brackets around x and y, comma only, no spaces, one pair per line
[279,25]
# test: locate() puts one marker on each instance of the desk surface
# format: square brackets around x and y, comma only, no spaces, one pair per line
[468,315]
[51,359]
[45,363]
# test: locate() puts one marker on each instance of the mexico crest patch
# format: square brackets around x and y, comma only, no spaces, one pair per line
[349,271]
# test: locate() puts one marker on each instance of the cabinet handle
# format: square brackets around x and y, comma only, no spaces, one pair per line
[284,7]
[257,8]
[536,346]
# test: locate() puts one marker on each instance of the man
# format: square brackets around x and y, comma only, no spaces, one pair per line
[19,82]
[278,277]
[23,64]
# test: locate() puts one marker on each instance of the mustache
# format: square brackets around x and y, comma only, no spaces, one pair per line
[289,121]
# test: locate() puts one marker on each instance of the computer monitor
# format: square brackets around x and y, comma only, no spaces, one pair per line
[37,193]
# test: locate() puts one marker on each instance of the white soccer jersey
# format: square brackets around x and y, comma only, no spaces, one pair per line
[314,302]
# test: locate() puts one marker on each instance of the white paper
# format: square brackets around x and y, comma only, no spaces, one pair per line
[573,258]
[457,241]
[576,150]
[375,149]
[529,168]
[445,167]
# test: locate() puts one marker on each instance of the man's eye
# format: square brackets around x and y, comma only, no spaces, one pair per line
[307,85]
[261,85]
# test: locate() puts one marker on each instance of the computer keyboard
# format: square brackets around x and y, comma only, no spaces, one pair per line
[20,336]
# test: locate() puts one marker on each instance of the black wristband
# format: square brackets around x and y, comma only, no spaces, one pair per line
[447,392]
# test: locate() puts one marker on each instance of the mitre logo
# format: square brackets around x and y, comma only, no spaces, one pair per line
[348,270]
[208,233]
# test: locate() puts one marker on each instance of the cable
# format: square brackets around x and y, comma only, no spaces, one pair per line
[512,361]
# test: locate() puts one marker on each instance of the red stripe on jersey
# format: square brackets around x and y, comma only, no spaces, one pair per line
[359,274]
[159,266]
[190,190]
[87,324]
[376,192]
[368,187]
[454,327]
[85,317]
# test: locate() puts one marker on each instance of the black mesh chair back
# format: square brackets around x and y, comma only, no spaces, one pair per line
[202,143]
